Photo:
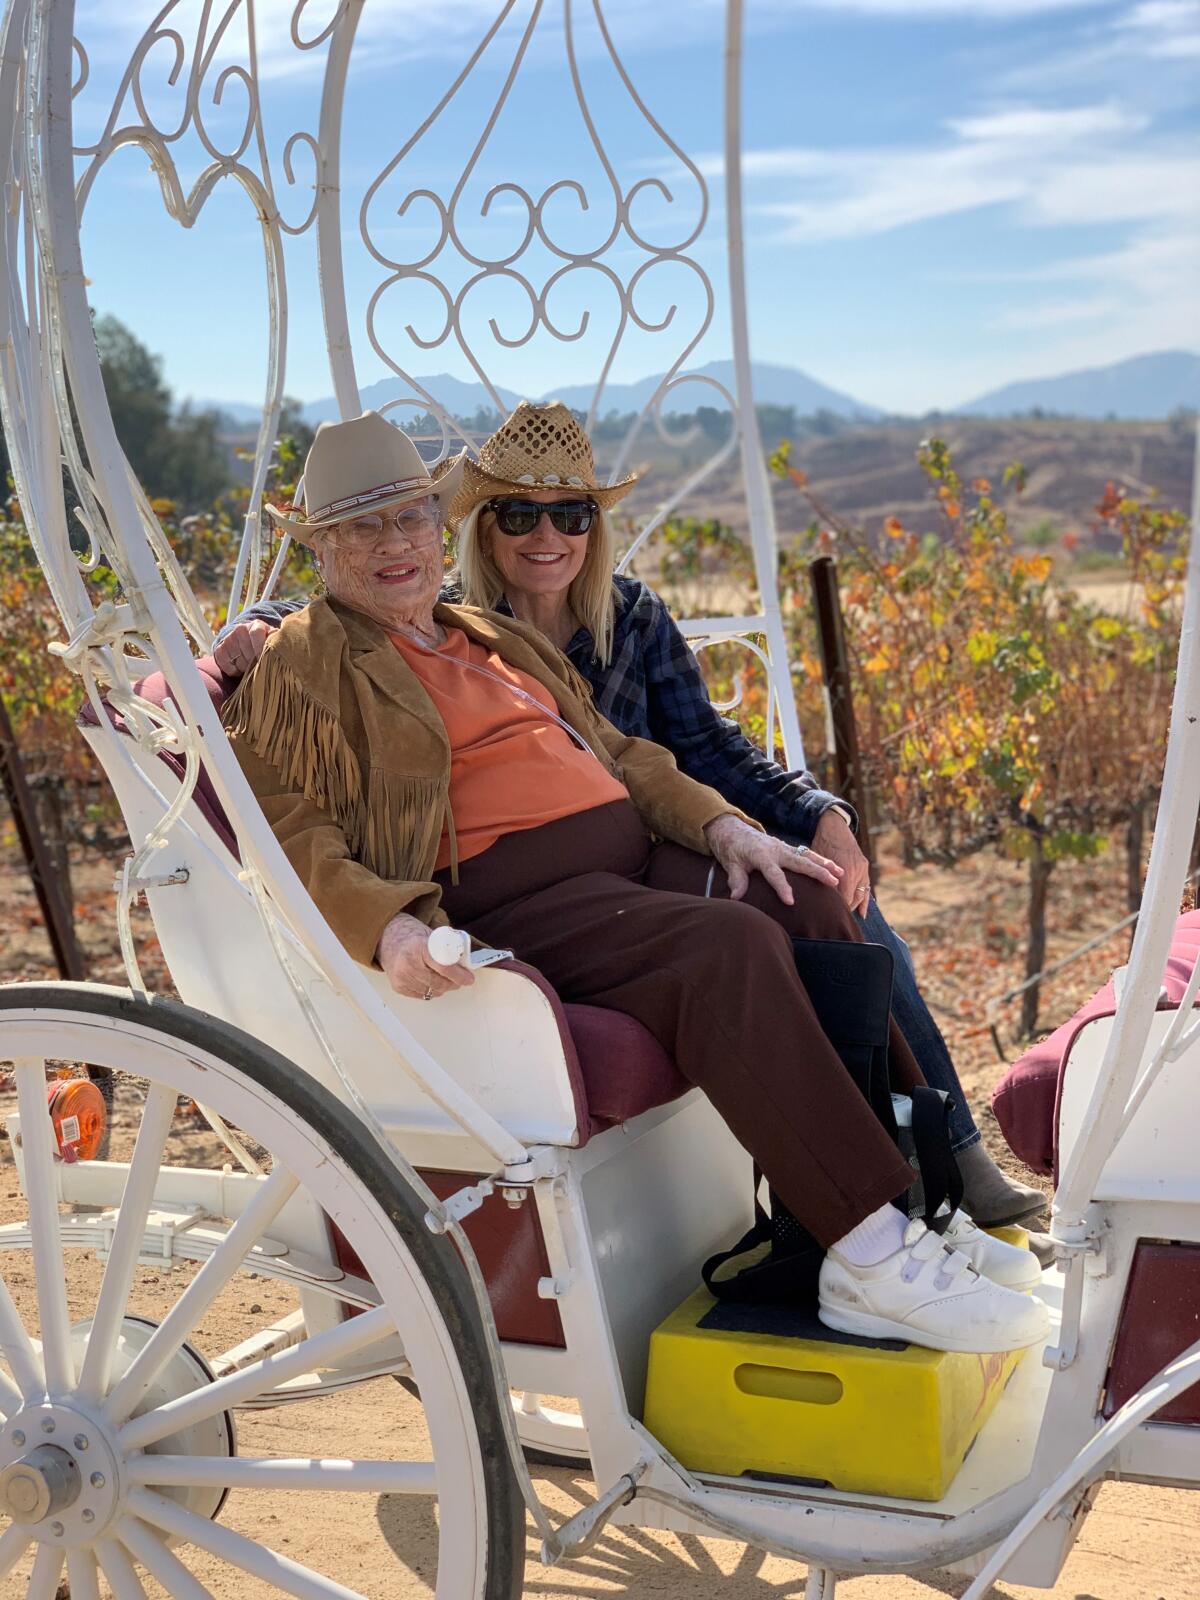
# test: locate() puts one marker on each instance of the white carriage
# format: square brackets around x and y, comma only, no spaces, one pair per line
[360,1132]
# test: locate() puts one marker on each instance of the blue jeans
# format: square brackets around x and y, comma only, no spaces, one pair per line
[919,1028]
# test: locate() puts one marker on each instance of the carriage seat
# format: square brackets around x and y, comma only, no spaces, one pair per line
[1028,1097]
[617,1069]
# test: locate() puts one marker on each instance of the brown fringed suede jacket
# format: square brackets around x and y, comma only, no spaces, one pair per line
[350,762]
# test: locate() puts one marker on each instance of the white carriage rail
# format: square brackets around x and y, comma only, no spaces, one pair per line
[47,344]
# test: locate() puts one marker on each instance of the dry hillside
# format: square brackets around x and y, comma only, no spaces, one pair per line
[868,473]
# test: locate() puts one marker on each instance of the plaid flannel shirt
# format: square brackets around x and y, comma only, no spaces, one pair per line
[653,689]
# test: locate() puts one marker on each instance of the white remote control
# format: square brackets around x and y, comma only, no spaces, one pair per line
[451,947]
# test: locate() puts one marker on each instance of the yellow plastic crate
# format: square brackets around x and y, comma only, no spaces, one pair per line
[879,1420]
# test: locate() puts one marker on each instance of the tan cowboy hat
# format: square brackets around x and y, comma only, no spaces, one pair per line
[366,464]
[537,447]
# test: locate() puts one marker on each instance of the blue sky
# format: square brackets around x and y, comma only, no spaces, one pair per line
[941,195]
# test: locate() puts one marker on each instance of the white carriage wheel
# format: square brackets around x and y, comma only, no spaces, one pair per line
[80,1477]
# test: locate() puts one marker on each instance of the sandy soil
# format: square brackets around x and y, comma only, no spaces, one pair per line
[1139,1544]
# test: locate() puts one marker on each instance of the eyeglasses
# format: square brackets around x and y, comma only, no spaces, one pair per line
[519,517]
[416,523]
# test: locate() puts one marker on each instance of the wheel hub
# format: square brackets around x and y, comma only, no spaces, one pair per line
[45,1480]
[58,1474]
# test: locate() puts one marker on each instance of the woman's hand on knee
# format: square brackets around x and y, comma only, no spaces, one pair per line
[741,850]
[403,953]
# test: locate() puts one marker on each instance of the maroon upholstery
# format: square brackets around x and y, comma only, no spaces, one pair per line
[155,690]
[617,1069]
[1026,1098]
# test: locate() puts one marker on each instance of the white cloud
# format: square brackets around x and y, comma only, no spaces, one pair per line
[1038,125]
[1118,188]
[1168,29]
[1094,166]
[1117,53]
[1055,166]
[1062,313]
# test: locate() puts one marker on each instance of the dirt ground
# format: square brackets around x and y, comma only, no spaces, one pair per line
[1139,1544]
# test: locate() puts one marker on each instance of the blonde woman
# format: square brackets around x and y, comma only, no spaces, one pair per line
[535,542]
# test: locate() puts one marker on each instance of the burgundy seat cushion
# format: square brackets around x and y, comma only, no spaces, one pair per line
[616,1067]
[1026,1098]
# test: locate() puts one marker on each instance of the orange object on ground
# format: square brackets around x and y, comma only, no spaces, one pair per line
[79,1115]
[511,767]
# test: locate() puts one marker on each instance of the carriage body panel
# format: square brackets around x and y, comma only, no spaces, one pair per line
[1155,1157]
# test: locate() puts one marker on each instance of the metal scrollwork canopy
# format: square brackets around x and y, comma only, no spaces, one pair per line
[469,245]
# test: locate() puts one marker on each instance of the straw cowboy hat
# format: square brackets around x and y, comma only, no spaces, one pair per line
[537,447]
[365,464]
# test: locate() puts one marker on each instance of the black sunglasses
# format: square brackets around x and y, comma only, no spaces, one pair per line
[519,517]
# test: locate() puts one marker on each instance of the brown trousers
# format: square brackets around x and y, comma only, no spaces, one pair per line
[613,919]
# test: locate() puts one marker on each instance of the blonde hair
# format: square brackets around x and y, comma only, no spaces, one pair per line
[592,594]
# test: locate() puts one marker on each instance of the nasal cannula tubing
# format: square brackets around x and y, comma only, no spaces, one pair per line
[514,688]
[451,947]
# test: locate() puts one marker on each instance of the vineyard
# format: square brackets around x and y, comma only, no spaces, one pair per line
[1000,716]
[996,710]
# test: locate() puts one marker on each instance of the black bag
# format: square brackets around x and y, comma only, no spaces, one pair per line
[850,986]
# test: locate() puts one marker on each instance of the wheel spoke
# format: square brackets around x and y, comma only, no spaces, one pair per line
[323,1349]
[82,1575]
[118,1569]
[16,1347]
[256,1559]
[160,1562]
[14,1542]
[250,1472]
[200,1293]
[41,1191]
[127,1240]
[47,1569]
[10,1397]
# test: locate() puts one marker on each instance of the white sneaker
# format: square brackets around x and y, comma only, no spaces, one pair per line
[1009,1264]
[930,1295]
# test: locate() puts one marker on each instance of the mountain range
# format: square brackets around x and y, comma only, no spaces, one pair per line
[1141,387]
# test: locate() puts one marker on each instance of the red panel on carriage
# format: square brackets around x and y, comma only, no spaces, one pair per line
[1160,1318]
[512,1256]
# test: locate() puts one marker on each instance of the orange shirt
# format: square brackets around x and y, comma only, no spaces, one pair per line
[511,766]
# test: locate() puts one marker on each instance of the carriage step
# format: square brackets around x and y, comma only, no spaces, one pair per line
[769,1393]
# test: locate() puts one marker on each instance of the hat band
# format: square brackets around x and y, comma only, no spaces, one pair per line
[350,501]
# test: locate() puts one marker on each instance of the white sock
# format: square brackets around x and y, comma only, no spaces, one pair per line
[876,1237]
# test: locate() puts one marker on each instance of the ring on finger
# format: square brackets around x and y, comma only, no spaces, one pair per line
[428,995]
[801,849]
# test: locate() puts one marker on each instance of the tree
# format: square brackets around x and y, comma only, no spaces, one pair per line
[177,456]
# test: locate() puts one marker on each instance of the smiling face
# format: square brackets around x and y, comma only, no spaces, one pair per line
[543,562]
[391,575]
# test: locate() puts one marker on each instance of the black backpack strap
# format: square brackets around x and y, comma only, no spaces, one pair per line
[940,1178]
[775,1280]
[758,1233]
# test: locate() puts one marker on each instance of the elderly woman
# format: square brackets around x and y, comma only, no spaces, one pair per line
[541,548]
[420,762]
